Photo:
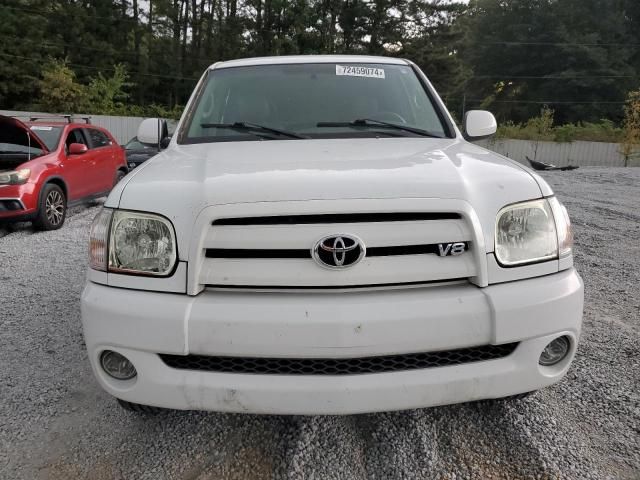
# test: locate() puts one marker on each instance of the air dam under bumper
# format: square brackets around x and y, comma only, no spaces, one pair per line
[332,325]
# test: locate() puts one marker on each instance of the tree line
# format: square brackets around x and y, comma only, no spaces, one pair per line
[580,58]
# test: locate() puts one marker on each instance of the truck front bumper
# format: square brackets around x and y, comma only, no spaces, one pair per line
[141,325]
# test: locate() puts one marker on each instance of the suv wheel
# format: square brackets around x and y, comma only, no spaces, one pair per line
[138,408]
[52,209]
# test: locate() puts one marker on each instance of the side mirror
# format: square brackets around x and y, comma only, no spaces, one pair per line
[77,149]
[479,124]
[152,131]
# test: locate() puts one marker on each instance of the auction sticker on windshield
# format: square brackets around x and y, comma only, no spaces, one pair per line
[359,71]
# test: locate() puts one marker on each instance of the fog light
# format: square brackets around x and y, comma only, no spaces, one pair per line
[555,351]
[117,366]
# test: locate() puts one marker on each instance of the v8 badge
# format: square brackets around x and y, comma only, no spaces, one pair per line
[451,249]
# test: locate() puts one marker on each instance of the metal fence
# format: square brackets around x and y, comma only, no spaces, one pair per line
[560,154]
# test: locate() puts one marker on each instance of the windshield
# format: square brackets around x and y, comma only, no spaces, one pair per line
[312,100]
[50,136]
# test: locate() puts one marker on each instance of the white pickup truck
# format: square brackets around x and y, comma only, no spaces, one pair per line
[319,237]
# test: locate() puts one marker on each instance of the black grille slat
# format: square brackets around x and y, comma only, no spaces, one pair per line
[335,287]
[256,253]
[337,366]
[338,218]
[302,253]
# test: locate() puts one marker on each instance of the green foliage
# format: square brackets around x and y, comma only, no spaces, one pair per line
[62,93]
[20,63]
[165,45]
[541,128]
[603,131]
[107,95]
[154,110]
[569,54]
[542,125]
[630,147]
[432,45]
[509,56]
[59,90]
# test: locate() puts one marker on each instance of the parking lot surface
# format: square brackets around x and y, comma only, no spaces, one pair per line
[55,422]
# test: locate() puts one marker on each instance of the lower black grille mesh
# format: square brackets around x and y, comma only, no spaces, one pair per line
[10,205]
[338,366]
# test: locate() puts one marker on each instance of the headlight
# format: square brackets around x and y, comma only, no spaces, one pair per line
[141,243]
[136,243]
[17,177]
[526,233]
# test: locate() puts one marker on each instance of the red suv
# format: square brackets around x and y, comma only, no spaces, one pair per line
[46,166]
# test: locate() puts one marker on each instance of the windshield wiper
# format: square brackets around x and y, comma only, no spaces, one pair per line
[248,127]
[368,122]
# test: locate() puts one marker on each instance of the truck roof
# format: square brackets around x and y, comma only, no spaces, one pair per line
[292,59]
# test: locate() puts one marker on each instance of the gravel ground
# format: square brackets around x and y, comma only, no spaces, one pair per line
[56,423]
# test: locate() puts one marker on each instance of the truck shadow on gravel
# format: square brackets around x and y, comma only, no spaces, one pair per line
[487,439]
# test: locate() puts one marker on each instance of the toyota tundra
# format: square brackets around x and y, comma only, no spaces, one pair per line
[319,237]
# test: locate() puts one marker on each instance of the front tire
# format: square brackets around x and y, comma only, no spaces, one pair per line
[52,209]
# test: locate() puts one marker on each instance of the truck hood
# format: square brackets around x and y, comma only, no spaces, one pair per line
[184,179]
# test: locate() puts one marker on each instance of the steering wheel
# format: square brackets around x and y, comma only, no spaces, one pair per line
[388,115]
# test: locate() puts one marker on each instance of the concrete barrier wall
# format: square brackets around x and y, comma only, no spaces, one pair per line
[560,154]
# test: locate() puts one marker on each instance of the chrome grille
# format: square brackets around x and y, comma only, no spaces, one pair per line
[276,251]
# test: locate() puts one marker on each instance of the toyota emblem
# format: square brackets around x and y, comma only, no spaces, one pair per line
[338,251]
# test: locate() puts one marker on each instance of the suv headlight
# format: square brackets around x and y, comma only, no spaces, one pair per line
[17,177]
[123,241]
[532,232]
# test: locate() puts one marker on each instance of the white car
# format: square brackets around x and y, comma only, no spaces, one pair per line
[320,238]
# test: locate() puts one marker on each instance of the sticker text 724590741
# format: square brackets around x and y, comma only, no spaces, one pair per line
[359,71]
